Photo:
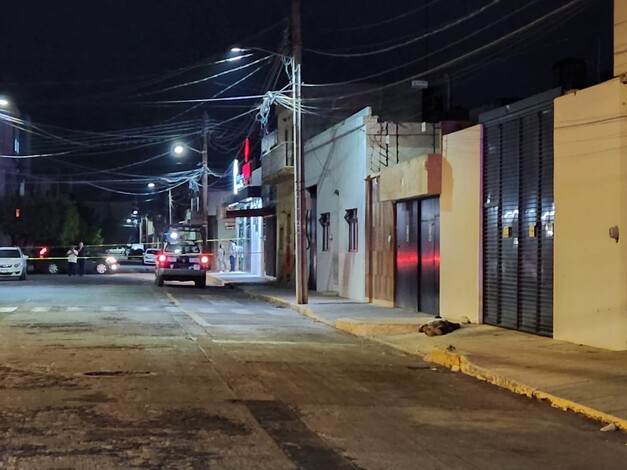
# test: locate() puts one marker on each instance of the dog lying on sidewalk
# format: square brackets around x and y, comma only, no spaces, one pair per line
[439,327]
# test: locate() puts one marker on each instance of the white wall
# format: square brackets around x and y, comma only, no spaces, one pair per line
[335,162]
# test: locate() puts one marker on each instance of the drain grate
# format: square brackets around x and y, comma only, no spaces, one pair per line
[116,373]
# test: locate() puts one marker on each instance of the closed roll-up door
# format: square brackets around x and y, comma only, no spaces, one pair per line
[518,213]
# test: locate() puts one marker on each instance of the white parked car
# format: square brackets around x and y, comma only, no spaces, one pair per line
[12,263]
[119,252]
[150,256]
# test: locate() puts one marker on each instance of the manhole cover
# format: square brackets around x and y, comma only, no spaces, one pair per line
[116,373]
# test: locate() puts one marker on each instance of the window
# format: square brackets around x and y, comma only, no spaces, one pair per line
[10,253]
[351,219]
[325,221]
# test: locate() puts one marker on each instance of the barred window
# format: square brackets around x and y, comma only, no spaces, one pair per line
[351,219]
[325,222]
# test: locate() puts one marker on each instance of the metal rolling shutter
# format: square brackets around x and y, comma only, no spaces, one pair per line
[517,220]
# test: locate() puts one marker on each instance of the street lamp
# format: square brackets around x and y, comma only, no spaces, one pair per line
[179,150]
[151,185]
[4,102]
[299,164]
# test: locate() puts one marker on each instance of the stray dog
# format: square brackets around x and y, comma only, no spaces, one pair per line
[438,327]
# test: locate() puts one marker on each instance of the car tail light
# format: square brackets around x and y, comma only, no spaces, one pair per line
[43,252]
[204,259]
[161,258]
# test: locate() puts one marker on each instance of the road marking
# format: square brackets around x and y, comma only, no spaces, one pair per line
[194,316]
[208,310]
[40,309]
[172,309]
[74,309]
[8,309]
[109,309]
[278,311]
[279,343]
[242,311]
[222,303]
[197,318]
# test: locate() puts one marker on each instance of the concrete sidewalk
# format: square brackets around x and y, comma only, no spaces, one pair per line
[586,380]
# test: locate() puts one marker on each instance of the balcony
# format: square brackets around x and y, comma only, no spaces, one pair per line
[278,164]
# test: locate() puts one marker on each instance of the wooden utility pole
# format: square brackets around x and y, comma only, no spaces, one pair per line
[299,164]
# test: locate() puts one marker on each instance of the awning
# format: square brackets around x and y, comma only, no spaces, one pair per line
[261,212]
[245,193]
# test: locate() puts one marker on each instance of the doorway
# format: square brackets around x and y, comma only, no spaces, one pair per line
[417,267]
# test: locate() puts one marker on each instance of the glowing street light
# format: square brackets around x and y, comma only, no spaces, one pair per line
[128,221]
[4,102]
[151,185]
[135,212]
[178,150]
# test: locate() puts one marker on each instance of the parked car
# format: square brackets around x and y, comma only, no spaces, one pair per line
[54,261]
[13,263]
[128,251]
[135,251]
[150,256]
[182,261]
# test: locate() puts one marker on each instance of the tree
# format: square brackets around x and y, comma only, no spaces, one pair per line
[38,220]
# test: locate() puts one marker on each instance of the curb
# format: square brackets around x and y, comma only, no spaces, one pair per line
[460,363]
[457,362]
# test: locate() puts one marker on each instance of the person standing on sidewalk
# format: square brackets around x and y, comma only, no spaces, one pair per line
[221,259]
[82,253]
[232,254]
[72,258]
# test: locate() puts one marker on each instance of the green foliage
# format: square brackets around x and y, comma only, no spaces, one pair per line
[69,223]
[44,221]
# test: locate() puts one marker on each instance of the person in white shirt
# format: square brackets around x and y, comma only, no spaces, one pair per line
[221,259]
[72,259]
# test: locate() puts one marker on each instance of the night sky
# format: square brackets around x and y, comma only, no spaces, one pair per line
[99,66]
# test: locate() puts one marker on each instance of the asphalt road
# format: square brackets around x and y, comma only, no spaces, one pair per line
[114,372]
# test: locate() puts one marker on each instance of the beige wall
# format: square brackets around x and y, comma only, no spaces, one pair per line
[414,178]
[460,225]
[590,197]
[620,37]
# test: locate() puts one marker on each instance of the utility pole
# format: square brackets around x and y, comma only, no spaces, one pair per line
[299,164]
[205,181]
[169,206]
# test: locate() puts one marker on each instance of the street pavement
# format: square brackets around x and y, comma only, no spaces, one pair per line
[115,372]
[583,379]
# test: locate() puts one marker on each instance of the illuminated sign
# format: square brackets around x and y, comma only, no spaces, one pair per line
[241,179]
[238,180]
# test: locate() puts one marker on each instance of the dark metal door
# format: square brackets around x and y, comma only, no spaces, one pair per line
[429,281]
[269,245]
[406,269]
[518,214]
